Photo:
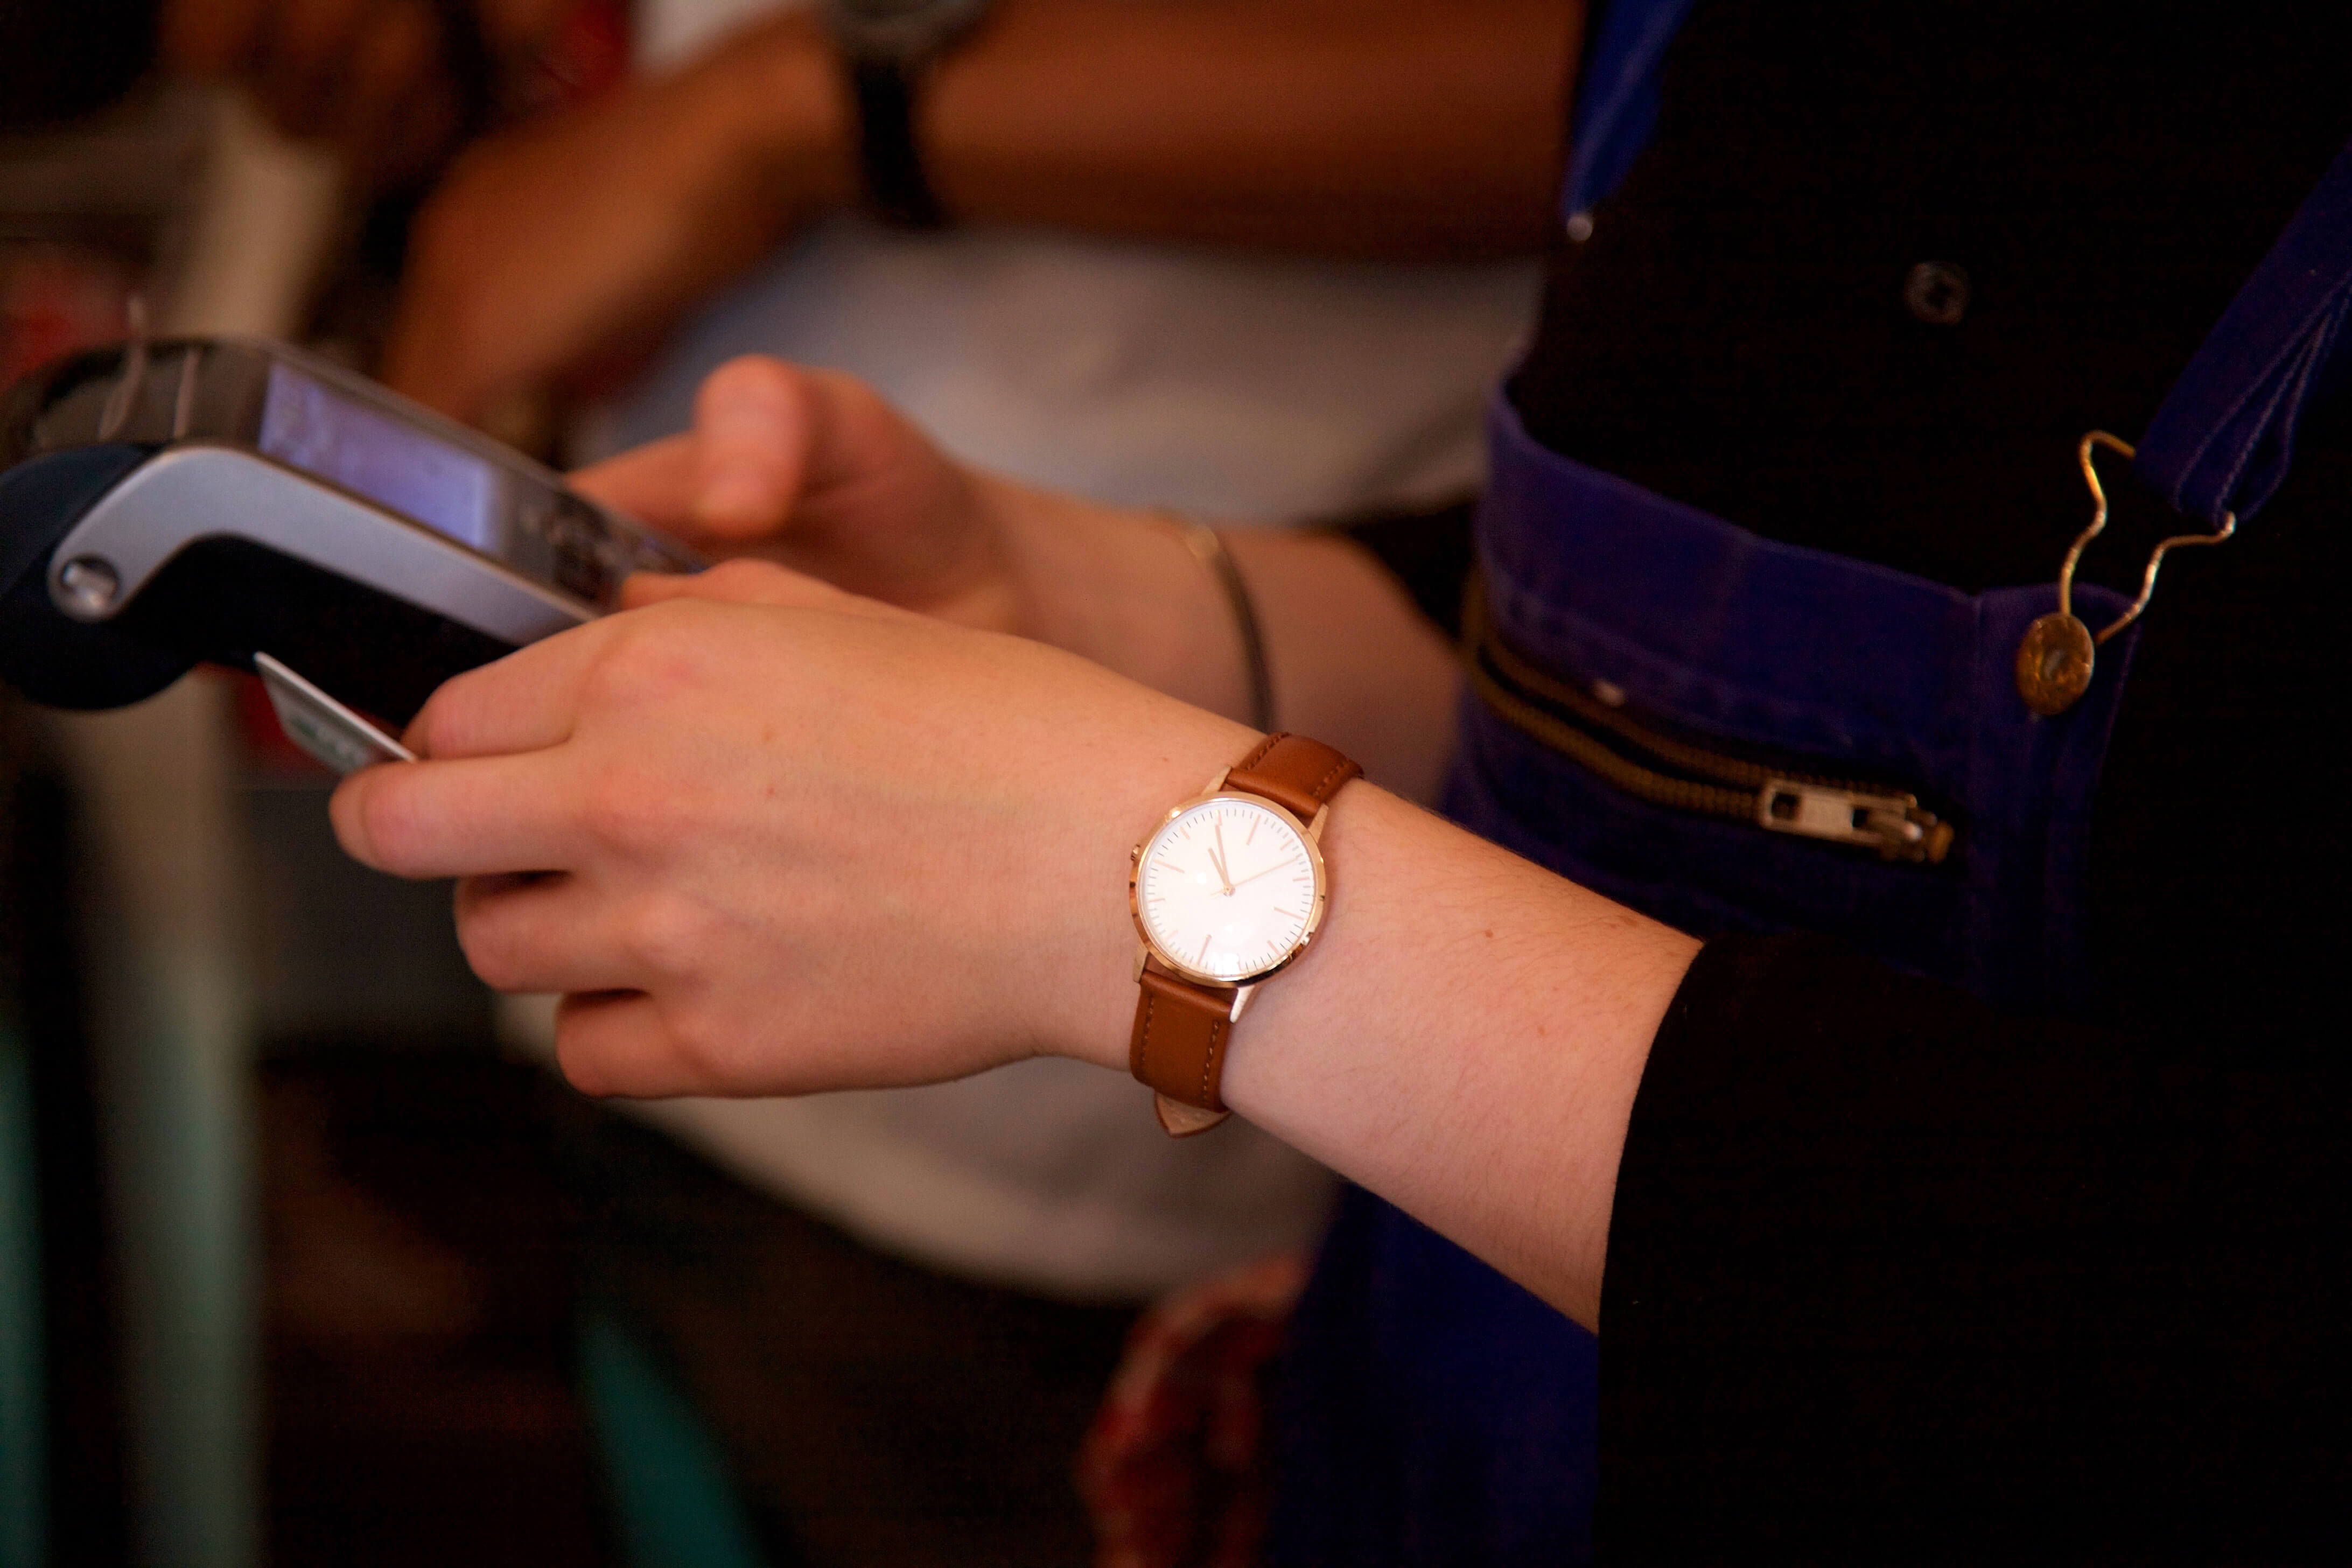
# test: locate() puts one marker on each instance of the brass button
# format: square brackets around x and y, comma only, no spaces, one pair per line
[1938,293]
[2053,664]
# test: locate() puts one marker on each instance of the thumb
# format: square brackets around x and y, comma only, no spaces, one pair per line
[751,431]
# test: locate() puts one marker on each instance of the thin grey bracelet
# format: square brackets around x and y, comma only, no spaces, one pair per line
[1209,551]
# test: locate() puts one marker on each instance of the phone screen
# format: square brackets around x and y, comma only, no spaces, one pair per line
[376,455]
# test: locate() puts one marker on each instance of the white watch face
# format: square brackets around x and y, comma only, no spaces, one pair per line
[1228,889]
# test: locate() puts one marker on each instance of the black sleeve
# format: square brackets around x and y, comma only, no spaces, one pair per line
[1890,1276]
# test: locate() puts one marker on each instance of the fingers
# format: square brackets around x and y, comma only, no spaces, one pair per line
[398,54]
[805,464]
[308,48]
[734,582]
[544,933]
[308,42]
[736,477]
[526,702]
[210,37]
[361,72]
[476,816]
[653,483]
[757,582]
[615,1043]
[511,27]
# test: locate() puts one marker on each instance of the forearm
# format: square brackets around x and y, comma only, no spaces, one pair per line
[812,469]
[1353,662]
[1468,1028]
[1385,128]
[1395,128]
[1466,1037]
[1466,1040]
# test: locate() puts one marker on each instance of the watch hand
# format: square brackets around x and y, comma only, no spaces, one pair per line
[1217,858]
[1269,871]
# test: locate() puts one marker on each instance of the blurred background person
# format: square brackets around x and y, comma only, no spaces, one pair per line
[1235,256]
[1255,259]
[393,86]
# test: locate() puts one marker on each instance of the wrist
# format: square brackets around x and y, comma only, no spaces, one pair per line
[1123,589]
[1089,1016]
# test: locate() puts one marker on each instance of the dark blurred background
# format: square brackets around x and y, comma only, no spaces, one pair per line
[58,63]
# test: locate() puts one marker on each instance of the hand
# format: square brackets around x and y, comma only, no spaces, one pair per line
[584,235]
[369,75]
[812,469]
[756,828]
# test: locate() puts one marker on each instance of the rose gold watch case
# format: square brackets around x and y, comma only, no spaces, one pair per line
[1309,834]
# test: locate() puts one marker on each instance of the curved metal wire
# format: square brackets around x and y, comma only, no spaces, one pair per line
[2087,452]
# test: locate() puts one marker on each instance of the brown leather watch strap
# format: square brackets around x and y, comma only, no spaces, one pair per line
[1181,1026]
[1299,774]
[1179,1044]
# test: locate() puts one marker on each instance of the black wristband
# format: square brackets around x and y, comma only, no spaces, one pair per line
[892,164]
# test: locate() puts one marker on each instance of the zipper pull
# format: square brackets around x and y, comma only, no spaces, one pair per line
[1893,825]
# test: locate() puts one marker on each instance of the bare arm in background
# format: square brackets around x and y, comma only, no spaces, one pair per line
[1414,129]
[1403,129]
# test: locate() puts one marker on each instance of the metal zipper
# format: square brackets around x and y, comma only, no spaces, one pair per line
[1592,731]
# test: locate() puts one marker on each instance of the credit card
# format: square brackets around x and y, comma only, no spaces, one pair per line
[322,726]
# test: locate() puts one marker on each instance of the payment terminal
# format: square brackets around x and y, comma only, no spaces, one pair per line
[219,499]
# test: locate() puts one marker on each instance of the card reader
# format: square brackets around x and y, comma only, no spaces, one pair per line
[214,499]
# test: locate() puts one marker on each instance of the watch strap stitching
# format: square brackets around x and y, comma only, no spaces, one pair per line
[1154,1027]
[1257,753]
[1211,1062]
[1143,1065]
[1253,775]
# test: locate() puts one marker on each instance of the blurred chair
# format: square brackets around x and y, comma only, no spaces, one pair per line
[675,1504]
